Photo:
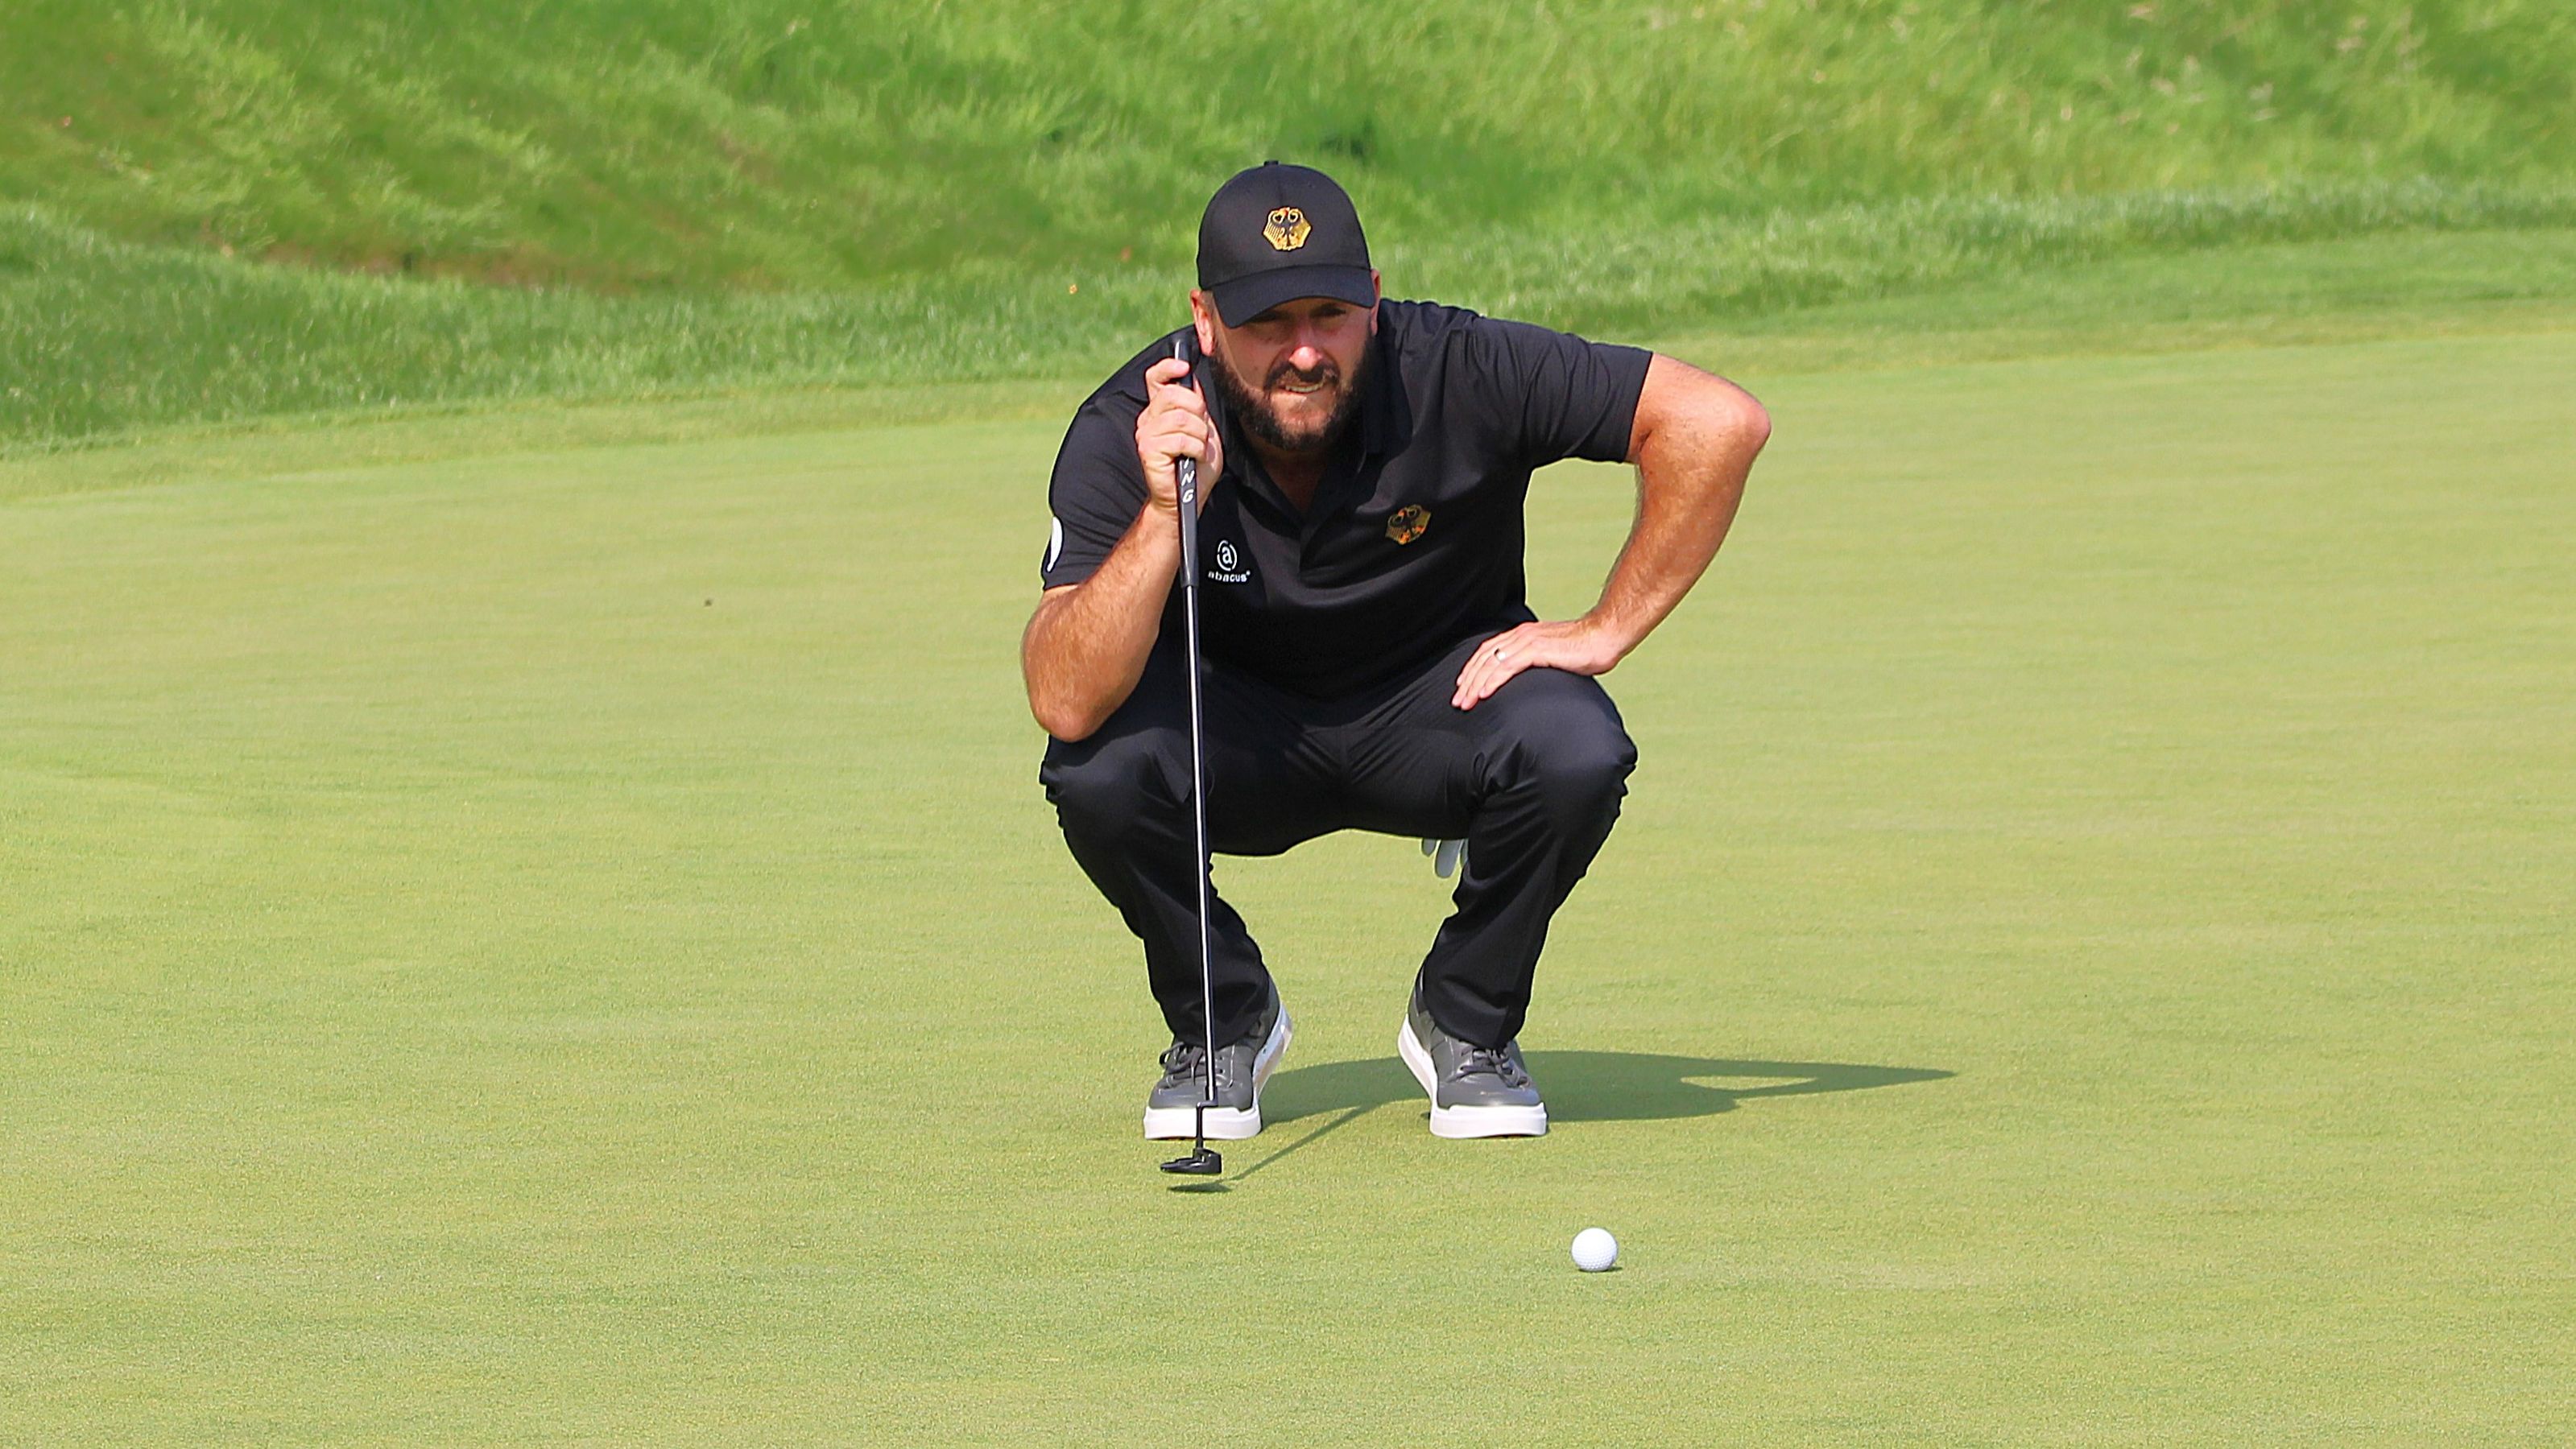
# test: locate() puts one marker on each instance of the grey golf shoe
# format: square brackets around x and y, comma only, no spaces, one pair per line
[1475,1091]
[1171,1109]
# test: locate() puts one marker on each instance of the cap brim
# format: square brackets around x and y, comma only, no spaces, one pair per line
[1245,298]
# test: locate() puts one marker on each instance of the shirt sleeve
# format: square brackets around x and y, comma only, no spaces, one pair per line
[1566,396]
[1096,491]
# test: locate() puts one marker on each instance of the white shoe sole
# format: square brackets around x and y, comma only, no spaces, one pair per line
[1224,1124]
[1465,1121]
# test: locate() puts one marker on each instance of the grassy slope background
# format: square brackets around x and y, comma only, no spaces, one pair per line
[798,142]
[601,200]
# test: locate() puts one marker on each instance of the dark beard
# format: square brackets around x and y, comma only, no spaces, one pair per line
[1263,426]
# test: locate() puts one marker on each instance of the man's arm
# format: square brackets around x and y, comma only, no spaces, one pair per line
[1086,646]
[1694,442]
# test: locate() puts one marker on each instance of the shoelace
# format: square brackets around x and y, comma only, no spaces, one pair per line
[1497,1060]
[1184,1064]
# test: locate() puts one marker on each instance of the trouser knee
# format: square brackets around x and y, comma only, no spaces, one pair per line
[1101,788]
[1576,755]
[1582,780]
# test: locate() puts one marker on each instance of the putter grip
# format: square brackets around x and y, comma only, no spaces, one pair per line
[1186,472]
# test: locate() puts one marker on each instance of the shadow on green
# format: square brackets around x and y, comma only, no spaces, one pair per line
[1590,1086]
[1580,1087]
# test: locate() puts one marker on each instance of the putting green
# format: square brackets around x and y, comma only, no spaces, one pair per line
[538,949]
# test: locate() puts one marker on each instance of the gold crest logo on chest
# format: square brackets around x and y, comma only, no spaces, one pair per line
[1405,524]
[1286,229]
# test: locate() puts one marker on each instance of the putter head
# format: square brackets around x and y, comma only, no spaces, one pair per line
[1201,1162]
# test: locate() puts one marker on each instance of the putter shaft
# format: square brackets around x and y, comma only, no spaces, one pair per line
[1201,1162]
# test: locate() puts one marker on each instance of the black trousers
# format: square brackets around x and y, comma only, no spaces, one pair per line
[1532,778]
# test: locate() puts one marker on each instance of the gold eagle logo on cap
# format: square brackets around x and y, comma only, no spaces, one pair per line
[1405,524]
[1286,229]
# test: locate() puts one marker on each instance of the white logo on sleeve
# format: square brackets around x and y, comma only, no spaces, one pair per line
[1055,540]
[1230,567]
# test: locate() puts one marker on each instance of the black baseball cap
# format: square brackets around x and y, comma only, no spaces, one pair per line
[1276,233]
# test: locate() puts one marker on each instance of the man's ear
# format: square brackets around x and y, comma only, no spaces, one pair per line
[1203,318]
[1377,285]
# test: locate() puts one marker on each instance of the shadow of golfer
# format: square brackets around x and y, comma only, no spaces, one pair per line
[1586,1086]
[1580,1087]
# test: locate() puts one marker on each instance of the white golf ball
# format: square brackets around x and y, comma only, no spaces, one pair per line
[1595,1250]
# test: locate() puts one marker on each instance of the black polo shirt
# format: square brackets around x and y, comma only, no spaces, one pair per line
[1414,538]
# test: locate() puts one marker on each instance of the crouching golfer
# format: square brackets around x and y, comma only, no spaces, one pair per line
[1370,661]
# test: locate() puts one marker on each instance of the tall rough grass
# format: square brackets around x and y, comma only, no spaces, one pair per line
[215,209]
[822,143]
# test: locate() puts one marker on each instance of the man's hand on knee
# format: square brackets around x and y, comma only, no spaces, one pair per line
[1576,646]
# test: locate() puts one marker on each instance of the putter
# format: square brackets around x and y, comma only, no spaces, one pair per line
[1201,1162]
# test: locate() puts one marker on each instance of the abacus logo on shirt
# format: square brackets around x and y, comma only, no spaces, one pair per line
[1229,564]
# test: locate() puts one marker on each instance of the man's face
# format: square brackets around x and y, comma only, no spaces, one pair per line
[1291,374]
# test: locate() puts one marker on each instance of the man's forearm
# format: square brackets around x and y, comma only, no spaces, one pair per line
[1086,646]
[1691,469]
